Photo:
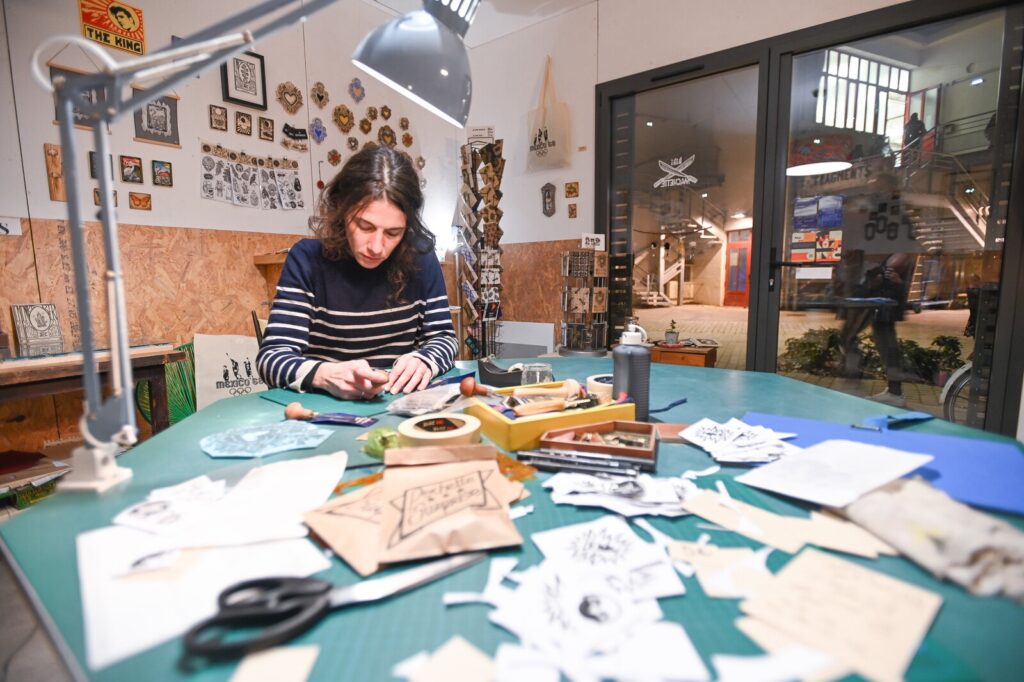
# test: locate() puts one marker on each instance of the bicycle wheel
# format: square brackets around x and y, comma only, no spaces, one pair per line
[954,407]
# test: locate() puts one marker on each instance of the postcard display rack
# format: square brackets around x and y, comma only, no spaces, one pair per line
[584,302]
[478,254]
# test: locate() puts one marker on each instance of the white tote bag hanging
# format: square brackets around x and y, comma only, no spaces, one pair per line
[548,128]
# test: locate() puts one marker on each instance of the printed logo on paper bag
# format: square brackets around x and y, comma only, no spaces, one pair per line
[430,503]
[113,24]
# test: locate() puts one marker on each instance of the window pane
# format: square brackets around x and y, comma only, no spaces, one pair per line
[819,112]
[873,72]
[863,69]
[833,62]
[851,105]
[904,80]
[861,104]
[830,101]
[872,109]
[854,66]
[883,75]
[844,65]
[881,112]
[841,104]
[894,78]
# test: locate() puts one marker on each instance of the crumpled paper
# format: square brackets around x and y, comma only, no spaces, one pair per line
[974,550]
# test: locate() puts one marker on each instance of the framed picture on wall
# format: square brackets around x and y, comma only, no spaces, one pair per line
[266,129]
[162,174]
[96,196]
[156,122]
[244,81]
[243,123]
[94,167]
[90,96]
[218,117]
[131,169]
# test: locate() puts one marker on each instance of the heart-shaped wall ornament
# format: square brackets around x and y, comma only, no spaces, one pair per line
[344,118]
[289,96]
[318,93]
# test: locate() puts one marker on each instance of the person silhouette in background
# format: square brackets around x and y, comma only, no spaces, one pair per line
[912,134]
[883,292]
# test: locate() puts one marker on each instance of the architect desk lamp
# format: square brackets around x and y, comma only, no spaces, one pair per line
[420,54]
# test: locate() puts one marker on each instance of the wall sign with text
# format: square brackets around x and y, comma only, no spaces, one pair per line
[114,24]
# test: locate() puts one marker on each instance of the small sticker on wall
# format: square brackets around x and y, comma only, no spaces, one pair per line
[9,226]
[572,211]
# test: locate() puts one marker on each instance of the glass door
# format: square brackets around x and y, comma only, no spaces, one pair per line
[890,260]
[682,182]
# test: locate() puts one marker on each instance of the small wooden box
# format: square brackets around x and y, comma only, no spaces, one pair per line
[524,433]
[646,458]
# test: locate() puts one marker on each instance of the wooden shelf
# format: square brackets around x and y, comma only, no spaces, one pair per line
[269,259]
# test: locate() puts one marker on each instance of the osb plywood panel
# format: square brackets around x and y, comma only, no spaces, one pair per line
[27,424]
[68,407]
[178,282]
[531,280]
[17,275]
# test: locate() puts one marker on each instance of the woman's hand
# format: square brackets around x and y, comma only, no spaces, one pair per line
[353,380]
[409,374]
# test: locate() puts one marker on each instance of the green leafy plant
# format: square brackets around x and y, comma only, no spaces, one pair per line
[816,352]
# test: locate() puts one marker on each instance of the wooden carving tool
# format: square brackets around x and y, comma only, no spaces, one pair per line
[570,388]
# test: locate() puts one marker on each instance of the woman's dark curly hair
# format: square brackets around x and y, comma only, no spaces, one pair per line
[375,172]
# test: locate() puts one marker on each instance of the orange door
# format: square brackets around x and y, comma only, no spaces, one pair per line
[737,268]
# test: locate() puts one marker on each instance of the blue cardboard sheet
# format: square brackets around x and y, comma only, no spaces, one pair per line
[981,473]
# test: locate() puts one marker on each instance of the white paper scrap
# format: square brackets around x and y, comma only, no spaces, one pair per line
[608,547]
[515,663]
[834,473]
[119,611]
[790,663]
[281,664]
[658,651]
[408,667]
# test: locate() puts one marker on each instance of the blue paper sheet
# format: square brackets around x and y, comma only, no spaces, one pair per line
[982,473]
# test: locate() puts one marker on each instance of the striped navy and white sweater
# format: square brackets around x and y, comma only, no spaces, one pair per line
[337,310]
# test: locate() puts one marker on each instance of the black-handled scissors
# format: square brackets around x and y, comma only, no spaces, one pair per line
[258,614]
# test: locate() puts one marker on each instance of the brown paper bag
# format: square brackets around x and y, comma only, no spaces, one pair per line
[350,525]
[443,500]
[432,501]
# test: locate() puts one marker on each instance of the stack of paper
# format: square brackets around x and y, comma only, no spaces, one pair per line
[589,609]
[639,496]
[147,564]
[737,443]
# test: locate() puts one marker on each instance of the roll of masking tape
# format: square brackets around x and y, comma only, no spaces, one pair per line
[600,385]
[443,428]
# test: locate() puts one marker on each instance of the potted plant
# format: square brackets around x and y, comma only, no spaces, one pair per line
[672,333]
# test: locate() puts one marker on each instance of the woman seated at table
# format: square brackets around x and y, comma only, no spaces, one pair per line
[366,295]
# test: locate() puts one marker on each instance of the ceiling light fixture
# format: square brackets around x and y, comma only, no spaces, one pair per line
[422,56]
[978,81]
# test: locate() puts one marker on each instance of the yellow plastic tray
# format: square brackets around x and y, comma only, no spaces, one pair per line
[524,433]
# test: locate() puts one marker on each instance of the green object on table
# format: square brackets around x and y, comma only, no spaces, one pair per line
[380,439]
[971,638]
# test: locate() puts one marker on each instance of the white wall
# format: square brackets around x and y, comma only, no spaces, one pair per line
[12,180]
[507,78]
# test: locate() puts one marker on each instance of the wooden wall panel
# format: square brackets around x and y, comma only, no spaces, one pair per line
[531,280]
[178,282]
[27,424]
[17,275]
